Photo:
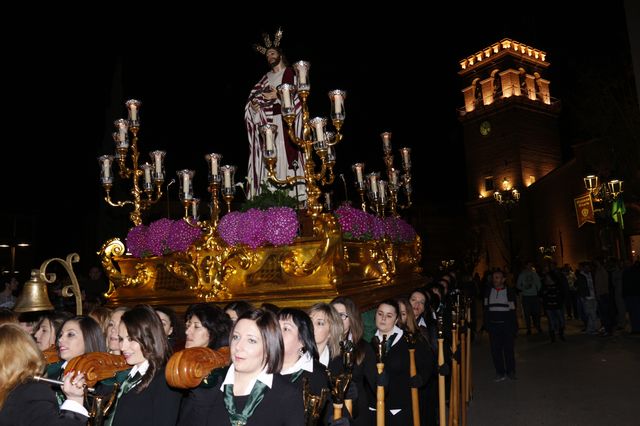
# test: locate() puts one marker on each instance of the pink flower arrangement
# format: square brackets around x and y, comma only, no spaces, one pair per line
[276,226]
[161,237]
[362,226]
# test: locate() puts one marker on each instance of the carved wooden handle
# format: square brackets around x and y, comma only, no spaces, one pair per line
[97,366]
[187,368]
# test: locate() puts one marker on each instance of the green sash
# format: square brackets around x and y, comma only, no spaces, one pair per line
[129,383]
[256,395]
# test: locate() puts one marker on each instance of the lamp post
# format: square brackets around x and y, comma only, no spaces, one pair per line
[608,197]
[508,199]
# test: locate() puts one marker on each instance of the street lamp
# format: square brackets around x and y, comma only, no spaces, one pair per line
[608,194]
[600,192]
[547,252]
[508,199]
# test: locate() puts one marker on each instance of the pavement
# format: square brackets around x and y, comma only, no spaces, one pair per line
[587,380]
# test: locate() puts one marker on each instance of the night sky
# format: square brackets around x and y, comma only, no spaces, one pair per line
[63,97]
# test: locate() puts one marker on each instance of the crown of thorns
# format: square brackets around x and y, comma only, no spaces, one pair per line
[268,44]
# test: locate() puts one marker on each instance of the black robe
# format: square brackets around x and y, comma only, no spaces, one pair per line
[34,403]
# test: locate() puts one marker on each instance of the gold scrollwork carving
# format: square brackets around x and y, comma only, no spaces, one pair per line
[115,248]
[330,251]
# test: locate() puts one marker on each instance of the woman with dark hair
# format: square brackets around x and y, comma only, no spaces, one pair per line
[207,325]
[49,327]
[78,335]
[364,362]
[237,308]
[24,401]
[172,327]
[407,321]
[300,351]
[144,397]
[396,365]
[253,393]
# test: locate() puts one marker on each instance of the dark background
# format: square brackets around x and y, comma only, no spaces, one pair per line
[193,74]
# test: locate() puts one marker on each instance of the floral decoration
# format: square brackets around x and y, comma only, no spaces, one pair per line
[161,237]
[276,226]
[362,226]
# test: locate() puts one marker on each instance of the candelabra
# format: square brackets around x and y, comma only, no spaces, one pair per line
[221,184]
[380,192]
[314,137]
[152,174]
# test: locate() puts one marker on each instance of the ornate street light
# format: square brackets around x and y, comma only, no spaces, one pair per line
[603,192]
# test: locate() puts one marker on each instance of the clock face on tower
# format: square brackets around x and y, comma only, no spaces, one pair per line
[485,128]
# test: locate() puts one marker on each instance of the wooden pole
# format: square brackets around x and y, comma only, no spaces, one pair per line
[380,398]
[453,397]
[441,387]
[468,362]
[337,411]
[415,404]
[349,404]
[463,374]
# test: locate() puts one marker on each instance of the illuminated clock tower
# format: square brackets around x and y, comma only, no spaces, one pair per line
[511,139]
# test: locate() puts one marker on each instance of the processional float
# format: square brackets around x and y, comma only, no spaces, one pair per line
[317,265]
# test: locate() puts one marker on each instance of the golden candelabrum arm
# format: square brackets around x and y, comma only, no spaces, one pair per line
[113,248]
[72,289]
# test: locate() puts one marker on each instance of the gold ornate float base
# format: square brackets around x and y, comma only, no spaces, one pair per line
[308,271]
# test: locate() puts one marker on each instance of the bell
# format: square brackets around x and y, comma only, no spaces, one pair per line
[34,296]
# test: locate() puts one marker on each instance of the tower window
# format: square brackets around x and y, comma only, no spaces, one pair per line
[488,183]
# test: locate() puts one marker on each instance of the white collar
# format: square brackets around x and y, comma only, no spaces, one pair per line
[422,322]
[264,377]
[140,368]
[324,356]
[396,330]
[305,362]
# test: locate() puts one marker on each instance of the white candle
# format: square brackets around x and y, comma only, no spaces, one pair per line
[268,134]
[373,184]
[337,100]
[319,130]
[185,184]
[106,169]
[405,156]
[386,141]
[394,176]
[147,175]
[286,97]
[227,178]
[214,165]
[122,133]
[194,209]
[302,73]
[158,164]
[134,111]
[359,174]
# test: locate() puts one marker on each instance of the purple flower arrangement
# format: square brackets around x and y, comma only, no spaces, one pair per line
[161,237]
[361,226]
[277,226]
